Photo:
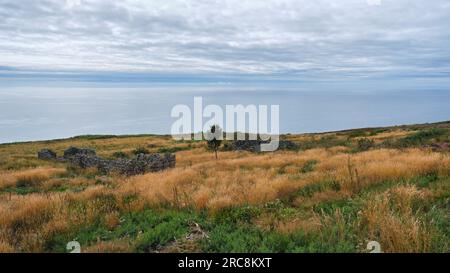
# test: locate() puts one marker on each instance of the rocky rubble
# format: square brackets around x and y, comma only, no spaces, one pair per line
[46,154]
[87,158]
[74,151]
[255,145]
[141,164]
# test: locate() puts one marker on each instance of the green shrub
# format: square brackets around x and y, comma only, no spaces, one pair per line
[422,137]
[365,144]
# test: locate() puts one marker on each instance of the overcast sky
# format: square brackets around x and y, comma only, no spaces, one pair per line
[272,38]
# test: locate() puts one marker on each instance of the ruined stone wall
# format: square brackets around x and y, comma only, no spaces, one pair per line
[255,145]
[142,163]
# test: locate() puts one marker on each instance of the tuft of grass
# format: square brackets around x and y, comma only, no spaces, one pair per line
[389,219]
[35,177]
[309,166]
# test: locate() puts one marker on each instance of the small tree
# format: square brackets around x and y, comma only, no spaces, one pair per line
[214,138]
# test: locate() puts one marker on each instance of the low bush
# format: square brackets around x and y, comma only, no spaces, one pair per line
[364,144]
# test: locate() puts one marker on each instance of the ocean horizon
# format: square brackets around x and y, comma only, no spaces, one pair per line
[42,113]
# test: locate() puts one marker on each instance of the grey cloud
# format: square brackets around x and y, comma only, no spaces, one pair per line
[229,36]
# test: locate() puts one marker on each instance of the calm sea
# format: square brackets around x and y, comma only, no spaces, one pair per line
[47,113]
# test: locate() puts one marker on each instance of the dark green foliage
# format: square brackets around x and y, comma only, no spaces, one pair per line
[22,190]
[26,182]
[346,206]
[365,144]
[422,137]
[247,238]
[150,229]
[237,215]
[159,228]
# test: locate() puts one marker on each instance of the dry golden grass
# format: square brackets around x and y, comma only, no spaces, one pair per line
[199,181]
[390,220]
[375,166]
[7,180]
[115,246]
[28,221]
[390,134]
[235,179]
[5,247]
[319,197]
[256,179]
[308,223]
[112,220]
[28,177]
[22,219]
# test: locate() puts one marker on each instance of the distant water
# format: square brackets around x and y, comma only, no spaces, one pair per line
[48,113]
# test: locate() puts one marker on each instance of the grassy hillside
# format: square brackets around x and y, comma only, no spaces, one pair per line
[336,193]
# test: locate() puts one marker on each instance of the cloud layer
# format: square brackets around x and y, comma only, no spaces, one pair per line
[348,38]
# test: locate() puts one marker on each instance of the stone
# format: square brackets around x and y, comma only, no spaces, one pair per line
[288,145]
[72,151]
[255,145]
[246,145]
[46,154]
[144,163]
[140,164]
[87,158]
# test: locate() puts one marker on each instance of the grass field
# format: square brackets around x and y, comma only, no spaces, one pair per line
[335,194]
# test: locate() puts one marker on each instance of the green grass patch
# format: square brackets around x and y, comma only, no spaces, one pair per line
[310,190]
[421,138]
[309,166]
[149,229]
